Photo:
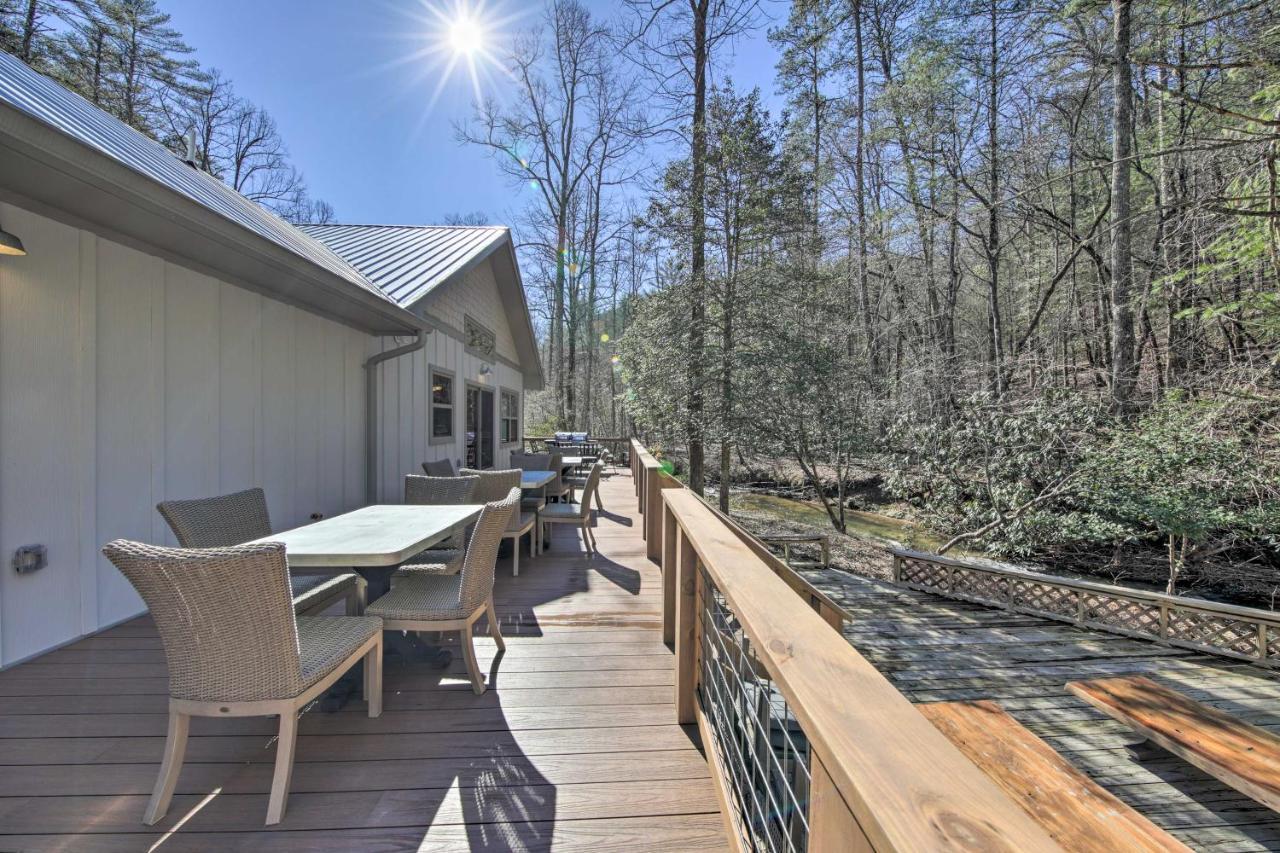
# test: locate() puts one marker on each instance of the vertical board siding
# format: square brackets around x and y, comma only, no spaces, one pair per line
[126,380]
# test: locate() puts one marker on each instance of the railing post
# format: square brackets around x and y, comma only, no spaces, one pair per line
[832,825]
[686,633]
[669,559]
[653,515]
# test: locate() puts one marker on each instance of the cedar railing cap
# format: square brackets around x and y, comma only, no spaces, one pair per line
[907,786]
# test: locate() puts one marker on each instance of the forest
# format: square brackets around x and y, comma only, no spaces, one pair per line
[125,57]
[1011,266]
[1011,269]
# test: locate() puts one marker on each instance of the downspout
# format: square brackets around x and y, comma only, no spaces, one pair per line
[371,410]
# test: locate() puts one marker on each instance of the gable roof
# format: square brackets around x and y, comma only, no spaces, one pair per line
[59,150]
[410,262]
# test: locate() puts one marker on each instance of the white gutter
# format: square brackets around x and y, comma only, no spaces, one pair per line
[371,410]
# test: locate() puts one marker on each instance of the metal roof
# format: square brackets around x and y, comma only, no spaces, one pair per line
[409,261]
[49,102]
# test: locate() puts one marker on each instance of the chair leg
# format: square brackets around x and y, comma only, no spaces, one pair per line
[175,746]
[285,745]
[469,655]
[599,505]
[373,679]
[515,556]
[494,629]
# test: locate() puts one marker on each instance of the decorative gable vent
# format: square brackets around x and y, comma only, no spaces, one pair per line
[480,340]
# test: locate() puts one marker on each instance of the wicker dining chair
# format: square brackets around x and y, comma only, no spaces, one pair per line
[234,647]
[424,602]
[579,514]
[439,468]
[242,517]
[445,558]
[493,486]
[580,483]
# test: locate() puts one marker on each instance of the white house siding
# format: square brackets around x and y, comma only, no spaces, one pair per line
[405,383]
[126,380]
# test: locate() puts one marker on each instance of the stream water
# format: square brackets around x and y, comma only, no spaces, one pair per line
[870,525]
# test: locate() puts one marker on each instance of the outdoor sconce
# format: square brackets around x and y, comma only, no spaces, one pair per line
[10,244]
[485,371]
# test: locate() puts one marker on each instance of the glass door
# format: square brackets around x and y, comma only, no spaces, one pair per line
[480,438]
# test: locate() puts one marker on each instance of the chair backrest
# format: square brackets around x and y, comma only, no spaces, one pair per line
[439,491]
[493,485]
[555,463]
[589,490]
[482,553]
[218,521]
[531,461]
[439,468]
[225,617]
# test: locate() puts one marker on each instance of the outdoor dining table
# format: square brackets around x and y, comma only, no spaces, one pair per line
[373,540]
[535,479]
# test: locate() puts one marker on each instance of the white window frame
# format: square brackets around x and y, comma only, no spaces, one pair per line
[452,406]
[502,418]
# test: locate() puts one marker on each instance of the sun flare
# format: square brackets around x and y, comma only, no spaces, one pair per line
[465,35]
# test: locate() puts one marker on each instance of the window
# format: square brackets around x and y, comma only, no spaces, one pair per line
[509,414]
[441,406]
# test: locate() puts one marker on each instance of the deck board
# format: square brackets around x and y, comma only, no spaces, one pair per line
[936,649]
[573,748]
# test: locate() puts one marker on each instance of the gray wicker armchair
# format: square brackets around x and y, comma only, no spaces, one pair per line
[242,517]
[235,648]
[493,487]
[580,514]
[424,602]
[445,558]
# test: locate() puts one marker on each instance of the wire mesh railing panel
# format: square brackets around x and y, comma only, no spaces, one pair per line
[760,746]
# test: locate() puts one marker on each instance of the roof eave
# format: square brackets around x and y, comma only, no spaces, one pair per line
[80,185]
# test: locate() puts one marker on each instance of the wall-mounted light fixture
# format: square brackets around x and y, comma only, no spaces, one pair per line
[485,371]
[10,244]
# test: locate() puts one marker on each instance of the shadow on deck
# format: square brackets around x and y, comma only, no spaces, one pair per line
[573,747]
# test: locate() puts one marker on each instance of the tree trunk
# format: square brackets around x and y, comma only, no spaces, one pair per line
[697,190]
[1123,366]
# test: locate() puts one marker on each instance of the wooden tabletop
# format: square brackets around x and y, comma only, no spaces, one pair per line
[378,535]
[535,479]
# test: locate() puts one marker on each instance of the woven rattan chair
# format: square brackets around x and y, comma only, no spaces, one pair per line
[445,558]
[242,517]
[439,468]
[235,648]
[454,602]
[493,487]
[579,514]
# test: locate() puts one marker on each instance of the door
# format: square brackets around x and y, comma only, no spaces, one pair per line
[480,445]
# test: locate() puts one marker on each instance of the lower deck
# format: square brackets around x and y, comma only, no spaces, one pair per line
[573,747]
[935,649]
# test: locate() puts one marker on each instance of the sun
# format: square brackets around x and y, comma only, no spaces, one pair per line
[466,36]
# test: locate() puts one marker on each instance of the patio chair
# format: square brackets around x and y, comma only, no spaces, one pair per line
[445,558]
[574,483]
[567,513]
[532,462]
[439,468]
[234,647]
[242,517]
[493,487]
[424,602]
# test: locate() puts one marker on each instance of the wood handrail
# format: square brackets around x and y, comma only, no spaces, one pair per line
[650,479]
[903,785]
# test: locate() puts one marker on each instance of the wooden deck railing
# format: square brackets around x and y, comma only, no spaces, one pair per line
[811,747]
[1206,626]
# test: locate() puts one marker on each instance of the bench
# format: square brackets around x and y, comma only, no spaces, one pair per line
[1239,754]
[1077,812]
[787,540]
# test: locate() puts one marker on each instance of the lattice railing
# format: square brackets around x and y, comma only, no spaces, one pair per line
[1206,626]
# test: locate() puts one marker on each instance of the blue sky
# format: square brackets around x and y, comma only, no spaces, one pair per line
[358,118]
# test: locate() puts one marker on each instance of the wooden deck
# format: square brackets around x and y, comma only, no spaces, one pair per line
[572,748]
[936,649]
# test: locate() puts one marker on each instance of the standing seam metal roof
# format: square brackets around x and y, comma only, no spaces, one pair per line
[409,261]
[49,102]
